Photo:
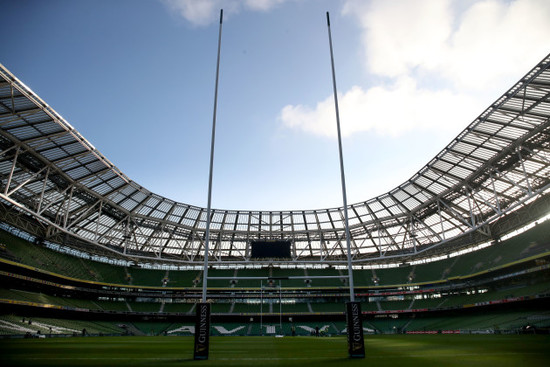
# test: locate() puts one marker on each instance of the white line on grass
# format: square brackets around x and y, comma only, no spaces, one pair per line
[283,358]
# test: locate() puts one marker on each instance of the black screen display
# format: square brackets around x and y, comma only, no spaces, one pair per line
[265,249]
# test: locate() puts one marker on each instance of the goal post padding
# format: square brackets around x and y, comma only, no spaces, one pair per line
[202,331]
[356,342]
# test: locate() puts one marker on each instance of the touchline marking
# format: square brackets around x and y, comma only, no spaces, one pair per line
[384,356]
[284,358]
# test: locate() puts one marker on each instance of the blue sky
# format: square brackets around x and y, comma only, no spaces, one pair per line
[136,78]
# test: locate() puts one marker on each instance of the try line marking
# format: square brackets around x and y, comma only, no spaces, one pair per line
[284,358]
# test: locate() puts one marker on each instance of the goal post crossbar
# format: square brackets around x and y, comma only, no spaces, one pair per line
[281,278]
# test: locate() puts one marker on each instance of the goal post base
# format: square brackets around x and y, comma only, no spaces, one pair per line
[202,331]
[356,342]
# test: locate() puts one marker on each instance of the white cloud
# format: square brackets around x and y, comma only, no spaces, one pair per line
[495,40]
[443,62]
[468,47]
[201,12]
[386,110]
[401,35]
[263,5]
[204,12]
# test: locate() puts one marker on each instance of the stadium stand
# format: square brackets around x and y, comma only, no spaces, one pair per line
[364,278]
[177,307]
[220,307]
[112,306]
[220,283]
[330,282]
[82,247]
[146,277]
[244,283]
[323,307]
[183,278]
[15,325]
[289,283]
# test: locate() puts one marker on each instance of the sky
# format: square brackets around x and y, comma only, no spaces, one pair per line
[136,78]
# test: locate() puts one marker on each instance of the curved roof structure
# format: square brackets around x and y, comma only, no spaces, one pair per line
[56,185]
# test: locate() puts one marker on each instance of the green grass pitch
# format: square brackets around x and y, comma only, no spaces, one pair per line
[382,350]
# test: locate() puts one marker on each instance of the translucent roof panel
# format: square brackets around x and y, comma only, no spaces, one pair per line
[496,165]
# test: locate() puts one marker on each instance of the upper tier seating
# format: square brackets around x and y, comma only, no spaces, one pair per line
[533,242]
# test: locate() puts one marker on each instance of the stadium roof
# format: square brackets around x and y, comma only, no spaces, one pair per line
[57,186]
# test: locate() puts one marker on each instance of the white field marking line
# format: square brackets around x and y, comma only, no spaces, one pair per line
[378,357]
[280,358]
